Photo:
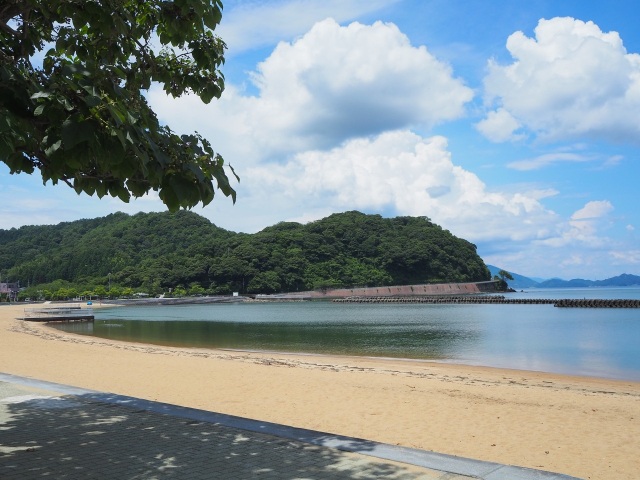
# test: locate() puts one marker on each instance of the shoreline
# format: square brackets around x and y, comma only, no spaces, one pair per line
[583,426]
[336,363]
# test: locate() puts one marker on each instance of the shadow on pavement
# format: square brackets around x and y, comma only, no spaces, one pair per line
[79,437]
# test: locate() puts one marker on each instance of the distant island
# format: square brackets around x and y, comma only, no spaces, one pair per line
[521,281]
[184,254]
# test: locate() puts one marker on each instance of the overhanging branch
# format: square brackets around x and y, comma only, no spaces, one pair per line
[10,10]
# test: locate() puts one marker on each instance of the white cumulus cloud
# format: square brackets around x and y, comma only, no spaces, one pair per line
[571,81]
[499,126]
[585,220]
[405,173]
[584,227]
[334,83]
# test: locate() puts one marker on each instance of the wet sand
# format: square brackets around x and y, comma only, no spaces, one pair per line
[586,427]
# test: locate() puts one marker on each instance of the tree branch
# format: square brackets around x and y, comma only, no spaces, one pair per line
[6,28]
[10,10]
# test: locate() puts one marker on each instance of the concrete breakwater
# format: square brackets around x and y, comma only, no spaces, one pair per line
[595,303]
[496,299]
[422,290]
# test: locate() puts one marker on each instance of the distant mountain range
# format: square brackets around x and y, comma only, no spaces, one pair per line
[520,281]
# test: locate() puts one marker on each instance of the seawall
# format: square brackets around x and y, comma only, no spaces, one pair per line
[469,288]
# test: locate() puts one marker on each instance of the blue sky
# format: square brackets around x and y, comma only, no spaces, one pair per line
[513,124]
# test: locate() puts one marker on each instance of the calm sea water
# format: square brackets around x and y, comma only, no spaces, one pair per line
[594,342]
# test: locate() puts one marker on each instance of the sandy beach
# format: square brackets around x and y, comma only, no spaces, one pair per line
[586,427]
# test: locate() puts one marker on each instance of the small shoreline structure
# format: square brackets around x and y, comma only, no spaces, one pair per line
[68,313]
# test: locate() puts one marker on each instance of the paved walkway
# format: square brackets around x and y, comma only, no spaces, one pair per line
[54,431]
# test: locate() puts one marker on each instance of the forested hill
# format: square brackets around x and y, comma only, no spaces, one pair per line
[155,252]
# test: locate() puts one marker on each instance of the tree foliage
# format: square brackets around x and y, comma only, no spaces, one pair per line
[72,78]
[501,279]
[153,252]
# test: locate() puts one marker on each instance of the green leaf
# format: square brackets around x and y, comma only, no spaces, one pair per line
[6,147]
[74,133]
[53,148]
[137,188]
[234,173]
[118,133]
[119,191]
[223,183]
[209,92]
[101,189]
[116,114]
[92,101]
[37,95]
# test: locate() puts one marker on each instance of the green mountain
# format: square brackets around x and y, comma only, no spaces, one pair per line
[155,252]
[520,281]
[624,280]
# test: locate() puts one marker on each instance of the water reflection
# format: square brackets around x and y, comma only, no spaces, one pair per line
[583,341]
[373,330]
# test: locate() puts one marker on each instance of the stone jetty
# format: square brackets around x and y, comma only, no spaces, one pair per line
[494,299]
[595,303]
